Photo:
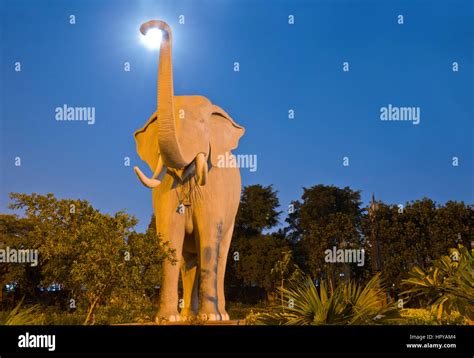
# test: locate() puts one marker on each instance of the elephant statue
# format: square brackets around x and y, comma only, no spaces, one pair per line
[195,201]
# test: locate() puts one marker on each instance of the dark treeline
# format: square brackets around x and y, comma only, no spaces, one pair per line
[394,237]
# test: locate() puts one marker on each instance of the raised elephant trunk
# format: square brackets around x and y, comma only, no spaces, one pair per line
[171,153]
[168,127]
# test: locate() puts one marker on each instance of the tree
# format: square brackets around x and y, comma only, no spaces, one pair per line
[318,203]
[281,269]
[11,229]
[258,257]
[387,228]
[89,253]
[325,217]
[133,299]
[257,211]
[415,235]
[339,233]
[451,225]
[253,254]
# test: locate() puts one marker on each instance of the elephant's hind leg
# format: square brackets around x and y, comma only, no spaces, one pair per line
[222,261]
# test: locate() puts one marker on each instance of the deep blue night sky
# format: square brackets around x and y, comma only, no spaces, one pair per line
[282,67]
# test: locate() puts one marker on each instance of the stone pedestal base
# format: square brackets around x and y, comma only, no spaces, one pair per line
[234,322]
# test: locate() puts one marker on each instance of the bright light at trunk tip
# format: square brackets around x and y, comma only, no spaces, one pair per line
[152,39]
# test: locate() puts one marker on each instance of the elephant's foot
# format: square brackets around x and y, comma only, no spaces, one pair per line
[163,317]
[224,315]
[187,314]
[209,315]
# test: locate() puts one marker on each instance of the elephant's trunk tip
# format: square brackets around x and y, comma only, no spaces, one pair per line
[157,24]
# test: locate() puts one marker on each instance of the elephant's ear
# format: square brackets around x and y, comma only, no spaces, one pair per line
[224,133]
[147,142]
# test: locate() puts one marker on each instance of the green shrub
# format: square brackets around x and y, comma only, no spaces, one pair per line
[53,315]
[126,306]
[447,285]
[237,310]
[421,316]
[254,318]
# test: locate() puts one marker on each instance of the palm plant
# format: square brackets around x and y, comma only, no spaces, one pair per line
[347,304]
[20,316]
[447,285]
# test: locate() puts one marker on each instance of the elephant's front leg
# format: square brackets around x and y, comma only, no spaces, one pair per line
[209,236]
[189,277]
[170,227]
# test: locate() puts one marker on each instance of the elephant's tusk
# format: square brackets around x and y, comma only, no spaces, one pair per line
[153,182]
[149,183]
[201,168]
[159,168]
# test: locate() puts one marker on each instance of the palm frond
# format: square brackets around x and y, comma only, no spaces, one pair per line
[348,303]
[21,316]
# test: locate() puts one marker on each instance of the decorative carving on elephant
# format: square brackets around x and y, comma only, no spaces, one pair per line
[195,201]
